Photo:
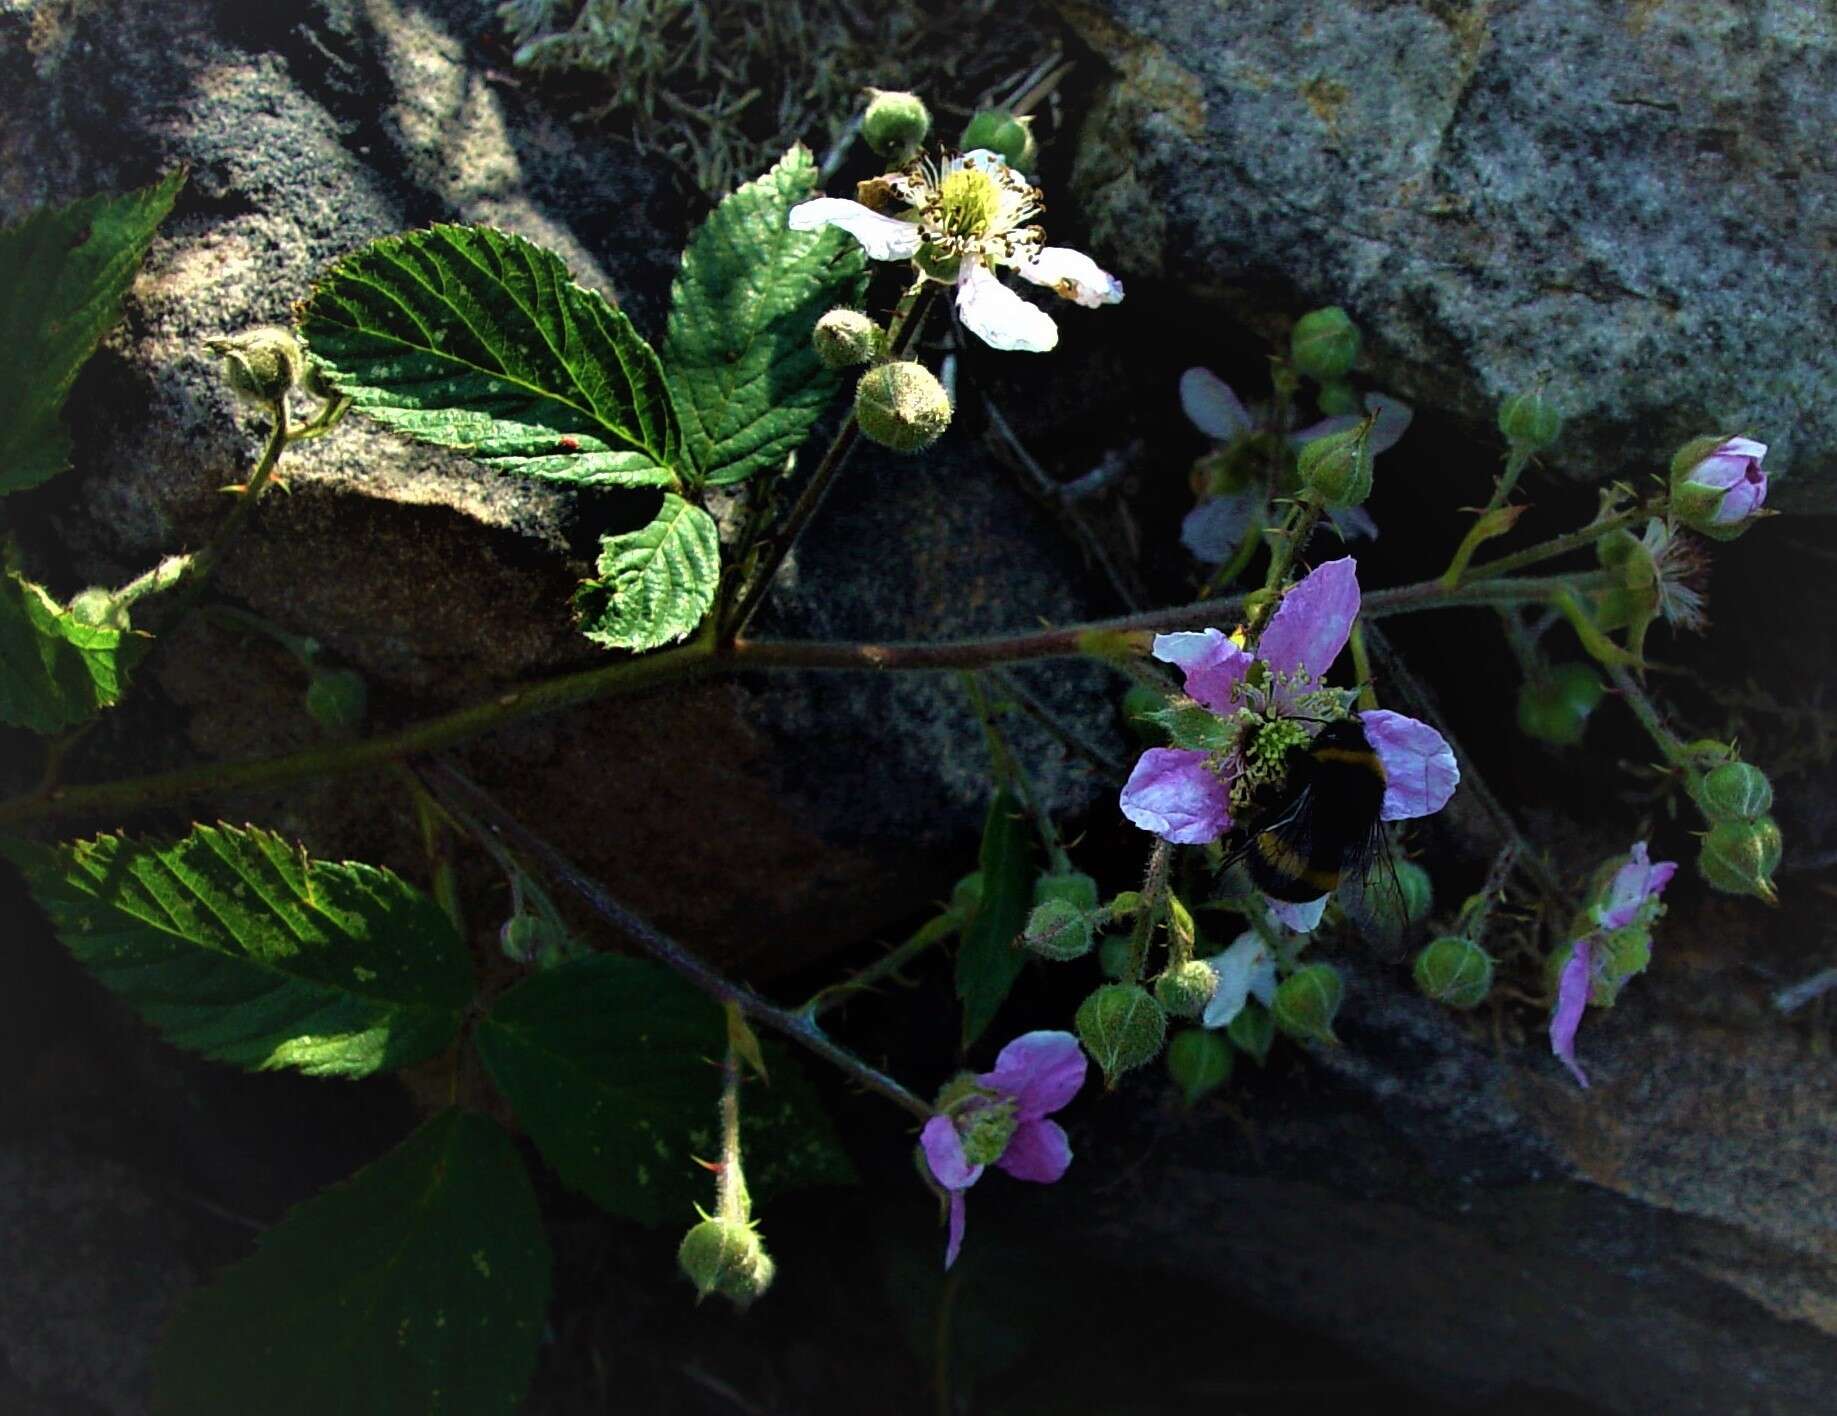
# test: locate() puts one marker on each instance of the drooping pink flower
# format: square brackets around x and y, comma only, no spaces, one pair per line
[999,1119]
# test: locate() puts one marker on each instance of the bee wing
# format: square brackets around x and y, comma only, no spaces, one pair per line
[1372,896]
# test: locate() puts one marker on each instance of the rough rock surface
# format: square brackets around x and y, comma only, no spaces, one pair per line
[1635,202]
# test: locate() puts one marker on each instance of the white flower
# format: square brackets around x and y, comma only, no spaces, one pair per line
[1244,971]
[968,219]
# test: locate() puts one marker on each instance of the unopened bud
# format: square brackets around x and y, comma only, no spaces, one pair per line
[1074,887]
[1058,929]
[902,406]
[1307,1002]
[1337,468]
[1555,707]
[1739,857]
[1008,137]
[1200,1062]
[1454,971]
[337,699]
[99,608]
[895,124]
[1718,485]
[1253,1031]
[1185,989]
[1324,344]
[1735,791]
[727,1257]
[844,338]
[1122,1027]
[1530,421]
[259,365]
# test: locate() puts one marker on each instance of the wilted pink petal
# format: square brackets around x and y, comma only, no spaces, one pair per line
[1213,665]
[1346,521]
[1393,421]
[943,1148]
[1042,1071]
[1039,1151]
[1571,1000]
[954,1245]
[1212,407]
[1419,768]
[884,238]
[1633,884]
[1215,528]
[1174,794]
[999,317]
[1300,918]
[1314,620]
[1073,275]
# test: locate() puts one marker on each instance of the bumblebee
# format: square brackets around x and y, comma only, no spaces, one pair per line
[1319,825]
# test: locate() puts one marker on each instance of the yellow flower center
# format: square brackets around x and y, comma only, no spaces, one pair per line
[968,201]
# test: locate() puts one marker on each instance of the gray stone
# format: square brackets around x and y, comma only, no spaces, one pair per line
[1633,201]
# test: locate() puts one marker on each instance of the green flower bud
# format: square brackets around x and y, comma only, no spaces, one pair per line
[895,124]
[1058,929]
[1735,791]
[1530,421]
[1339,398]
[1121,1026]
[337,699]
[1307,1002]
[99,608]
[1337,468]
[727,1257]
[1454,971]
[259,365]
[1718,485]
[1008,137]
[1555,709]
[1324,344]
[902,406]
[1074,887]
[966,895]
[1739,857]
[1185,989]
[845,337]
[1113,956]
[1200,1062]
[1253,1031]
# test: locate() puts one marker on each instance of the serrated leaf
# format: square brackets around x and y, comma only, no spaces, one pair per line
[236,945]
[656,583]
[418,1285]
[988,961]
[56,671]
[612,1067]
[748,383]
[63,271]
[471,338]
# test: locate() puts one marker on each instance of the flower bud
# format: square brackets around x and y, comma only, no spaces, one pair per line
[259,365]
[1555,708]
[1324,344]
[1454,971]
[519,937]
[1113,955]
[1122,1027]
[727,1257]
[1739,857]
[1200,1062]
[1058,929]
[1735,791]
[1530,421]
[895,124]
[845,337]
[1307,1002]
[1074,887]
[1008,137]
[1185,989]
[902,406]
[1252,1031]
[1718,485]
[337,699]
[99,608]
[1337,468]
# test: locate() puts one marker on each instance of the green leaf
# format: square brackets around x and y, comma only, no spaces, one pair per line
[418,1285]
[656,583]
[612,1067]
[1189,725]
[234,944]
[737,347]
[55,670]
[63,271]
[475,339]
[988,961]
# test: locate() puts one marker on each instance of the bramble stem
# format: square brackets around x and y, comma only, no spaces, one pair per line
[1647,712]
[1557,545]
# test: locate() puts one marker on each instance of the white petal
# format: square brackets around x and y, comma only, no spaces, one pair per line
[999,317]
[1300,918]
[1212,407]
[1074,275]
[884,238]
[1243,970]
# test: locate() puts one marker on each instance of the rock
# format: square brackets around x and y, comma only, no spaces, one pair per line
[1621,202]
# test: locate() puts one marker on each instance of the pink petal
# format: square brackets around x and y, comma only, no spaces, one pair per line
[1040,1070]
[943,1148]
[1338,423]
[884,238]
[999,317]
[1039,1151]
[1212,407]
[1214,529]
[1314,620]
[1174,794]
[1300,918]
[954,1245]
[1346,521]
[1419,768]
[1633,884]
[1571,1000]
[1212,664]
[1073,275]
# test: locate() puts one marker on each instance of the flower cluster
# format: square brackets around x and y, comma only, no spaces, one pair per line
[1276,697]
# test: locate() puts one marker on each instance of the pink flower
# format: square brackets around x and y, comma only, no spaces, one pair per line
[1732,468]
[999,1118]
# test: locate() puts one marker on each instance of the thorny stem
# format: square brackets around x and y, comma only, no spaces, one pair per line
[1148,911]
[889,964]
[1556,546]
[1647,712]
[449,784]
[731,1199]
[1285,544]
[1516,461]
